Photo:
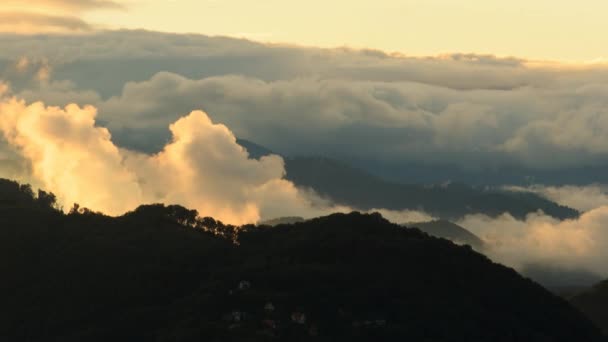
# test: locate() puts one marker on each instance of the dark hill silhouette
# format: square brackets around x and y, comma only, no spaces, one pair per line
[451,231]
[562,280]
[594,303]
[162,273]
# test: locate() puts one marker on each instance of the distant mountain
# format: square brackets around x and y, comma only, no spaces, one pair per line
[282,220]
[417,173]
[451,231]
[411,172]
[562,280]
[161,273]
[350,186]
[594,304]
[255,151]
[356,188]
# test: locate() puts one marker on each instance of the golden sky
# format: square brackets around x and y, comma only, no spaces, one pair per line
[539,29]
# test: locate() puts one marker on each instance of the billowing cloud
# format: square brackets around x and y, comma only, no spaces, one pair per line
[64,146]
[202,167]
[205,168]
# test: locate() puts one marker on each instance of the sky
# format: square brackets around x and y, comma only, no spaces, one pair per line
[540,29]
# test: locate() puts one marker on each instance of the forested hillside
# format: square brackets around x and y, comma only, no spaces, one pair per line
[163,273]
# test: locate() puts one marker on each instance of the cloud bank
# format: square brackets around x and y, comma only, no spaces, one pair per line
[571,244]
[404,120]
[475,112]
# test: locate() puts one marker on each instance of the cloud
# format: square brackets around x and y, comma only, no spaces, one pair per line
[555,252]
[23,64]
[49,16]
[216,176]
[30,22]
[64,146]
[404,216]
[58,93]
[62,5]
[202,167]
[387,121]
[196,56]
[471,111]
[572,244]
[34,78]
[4,88]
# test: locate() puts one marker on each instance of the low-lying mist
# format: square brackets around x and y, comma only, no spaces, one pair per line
[577,244]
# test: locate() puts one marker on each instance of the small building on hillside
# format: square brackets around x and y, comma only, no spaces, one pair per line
[298,317]
[244,285]
[269,307]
